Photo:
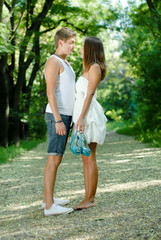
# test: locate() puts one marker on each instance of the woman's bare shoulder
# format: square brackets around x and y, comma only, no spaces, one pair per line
[95,69]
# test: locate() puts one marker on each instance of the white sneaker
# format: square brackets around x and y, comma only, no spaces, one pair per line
[57,210]
[60,202]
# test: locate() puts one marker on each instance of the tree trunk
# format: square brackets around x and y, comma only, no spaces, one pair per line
[14,104]
[1,7]
[154,13]
[23,66]
[4,102]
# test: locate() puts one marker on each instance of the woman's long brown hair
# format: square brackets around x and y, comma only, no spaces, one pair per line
[94,53]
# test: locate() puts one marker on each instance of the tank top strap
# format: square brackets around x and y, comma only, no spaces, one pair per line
[62,61]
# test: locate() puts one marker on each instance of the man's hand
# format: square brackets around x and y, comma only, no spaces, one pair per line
[60,128]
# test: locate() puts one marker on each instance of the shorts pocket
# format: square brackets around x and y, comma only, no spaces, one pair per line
[49,126]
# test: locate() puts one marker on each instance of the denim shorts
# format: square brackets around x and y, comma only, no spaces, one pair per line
[56,143]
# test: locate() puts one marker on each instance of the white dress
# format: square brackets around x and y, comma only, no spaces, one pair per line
[95,120]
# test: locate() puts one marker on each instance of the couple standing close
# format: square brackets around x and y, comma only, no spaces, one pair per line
[64,107]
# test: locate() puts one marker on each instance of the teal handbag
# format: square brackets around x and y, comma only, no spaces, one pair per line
[79,144]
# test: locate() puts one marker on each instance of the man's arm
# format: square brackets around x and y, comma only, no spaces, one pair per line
[52,70]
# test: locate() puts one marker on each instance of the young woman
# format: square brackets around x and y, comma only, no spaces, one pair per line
[88,115]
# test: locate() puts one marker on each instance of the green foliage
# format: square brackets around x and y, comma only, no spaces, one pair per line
[5,45]
[130,130]
[115,94]
[37,125]
[142,49]
[115,115]
[151,137]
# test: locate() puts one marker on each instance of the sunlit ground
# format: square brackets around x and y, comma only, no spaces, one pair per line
[128,195]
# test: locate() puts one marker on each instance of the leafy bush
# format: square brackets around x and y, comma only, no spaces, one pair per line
[141,48]
[115,115]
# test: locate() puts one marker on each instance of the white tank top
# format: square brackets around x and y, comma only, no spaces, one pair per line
[65,90]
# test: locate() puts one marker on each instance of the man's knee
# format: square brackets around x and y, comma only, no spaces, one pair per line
[55,160]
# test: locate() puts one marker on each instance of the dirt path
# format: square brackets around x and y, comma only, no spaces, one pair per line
[128,204]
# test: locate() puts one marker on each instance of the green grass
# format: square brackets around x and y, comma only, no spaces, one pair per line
[123,127]
[132,129]
[7,154]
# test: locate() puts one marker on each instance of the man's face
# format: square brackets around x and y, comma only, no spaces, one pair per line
[68,46]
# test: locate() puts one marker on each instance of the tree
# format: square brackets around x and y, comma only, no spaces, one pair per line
[4,101]
[11,85]
[28,23]
[142,49]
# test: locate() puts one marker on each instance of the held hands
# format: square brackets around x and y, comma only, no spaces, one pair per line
[80,125]
[60,128]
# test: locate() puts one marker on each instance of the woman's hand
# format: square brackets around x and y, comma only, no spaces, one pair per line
[80,125]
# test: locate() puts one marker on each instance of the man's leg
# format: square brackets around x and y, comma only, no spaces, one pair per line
[50,173]
[56,148]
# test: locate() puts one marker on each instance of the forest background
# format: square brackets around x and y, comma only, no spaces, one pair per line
[131,92]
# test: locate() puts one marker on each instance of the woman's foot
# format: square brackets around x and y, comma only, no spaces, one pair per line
[85,204]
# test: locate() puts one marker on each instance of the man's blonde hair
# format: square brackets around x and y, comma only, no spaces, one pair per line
[63,34]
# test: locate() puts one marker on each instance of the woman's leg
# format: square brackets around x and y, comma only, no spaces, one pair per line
[90,178]
[85,171]
[92,173]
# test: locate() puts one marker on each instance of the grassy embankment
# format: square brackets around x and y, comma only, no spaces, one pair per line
[8,153]
[131,129]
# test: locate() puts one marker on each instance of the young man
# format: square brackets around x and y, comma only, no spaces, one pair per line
[60,80]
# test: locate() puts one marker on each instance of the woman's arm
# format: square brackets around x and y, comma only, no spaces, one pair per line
[94,77]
